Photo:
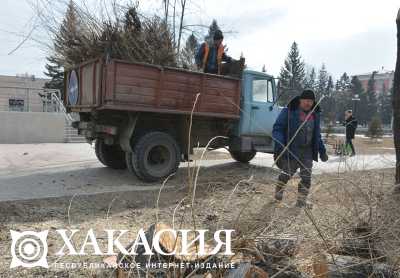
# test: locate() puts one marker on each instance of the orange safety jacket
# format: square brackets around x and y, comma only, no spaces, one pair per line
[220,54]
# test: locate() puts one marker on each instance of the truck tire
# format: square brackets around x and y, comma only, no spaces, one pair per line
[128,161]
[155,156]
[110,155]
[243,157]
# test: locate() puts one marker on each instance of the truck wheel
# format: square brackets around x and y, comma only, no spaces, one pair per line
[110,155]
[243,157]
[155,156]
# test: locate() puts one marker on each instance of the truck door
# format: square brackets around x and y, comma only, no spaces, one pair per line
[262,117]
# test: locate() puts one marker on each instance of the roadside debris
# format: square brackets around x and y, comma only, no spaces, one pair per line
[263,257]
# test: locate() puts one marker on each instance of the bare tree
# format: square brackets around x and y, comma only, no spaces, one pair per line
[177,26]
[183,8]
[396,104]
[166,10]
[174,23]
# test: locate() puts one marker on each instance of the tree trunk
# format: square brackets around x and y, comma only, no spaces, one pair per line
[396,104]
[183,8]
[166,11]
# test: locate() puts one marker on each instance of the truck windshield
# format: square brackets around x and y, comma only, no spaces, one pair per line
[263,90]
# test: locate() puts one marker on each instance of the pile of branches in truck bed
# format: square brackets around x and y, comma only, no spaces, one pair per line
[121,34]
[146,40]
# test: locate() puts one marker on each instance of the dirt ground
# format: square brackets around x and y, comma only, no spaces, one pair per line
[230,196]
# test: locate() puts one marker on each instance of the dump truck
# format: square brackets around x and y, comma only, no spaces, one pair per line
[148,118]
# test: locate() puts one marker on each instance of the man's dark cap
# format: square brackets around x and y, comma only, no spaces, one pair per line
[218,35]
[308,94]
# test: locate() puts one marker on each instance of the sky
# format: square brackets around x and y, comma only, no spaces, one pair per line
[347,35]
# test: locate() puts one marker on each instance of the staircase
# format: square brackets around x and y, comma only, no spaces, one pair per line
[70,134]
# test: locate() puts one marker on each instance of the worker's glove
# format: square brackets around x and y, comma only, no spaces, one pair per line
[324,157]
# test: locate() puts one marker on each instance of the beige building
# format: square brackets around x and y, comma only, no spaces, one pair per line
[383,81]
[21,98]
[22,93]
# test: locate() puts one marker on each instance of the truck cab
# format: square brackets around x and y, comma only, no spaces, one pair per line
[253,132]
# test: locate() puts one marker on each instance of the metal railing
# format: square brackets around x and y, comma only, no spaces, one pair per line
[54,96]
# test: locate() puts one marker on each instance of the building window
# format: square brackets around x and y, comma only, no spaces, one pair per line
[16,104]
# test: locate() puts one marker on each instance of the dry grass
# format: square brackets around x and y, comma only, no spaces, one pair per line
[340,203]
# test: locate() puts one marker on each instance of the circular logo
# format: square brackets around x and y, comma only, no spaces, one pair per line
[73,88]
[29,249]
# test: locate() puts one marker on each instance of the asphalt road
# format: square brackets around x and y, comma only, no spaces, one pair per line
[54,170]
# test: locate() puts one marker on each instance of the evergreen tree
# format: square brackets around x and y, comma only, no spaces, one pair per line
[310,79]
[189,52]
[343,83]
[385,105]
[372,102]
[328,103]
[375,128]
[54,70]
[361,106]
[346,82]
[322,83]
[329,86]
[209,38]
[158,44]
[338,85]
[343,96]
[292,75]
[343,102]
[321,90]
[69,42]
[67,49]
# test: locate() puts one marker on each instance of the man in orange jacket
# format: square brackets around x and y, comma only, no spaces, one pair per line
[209,58]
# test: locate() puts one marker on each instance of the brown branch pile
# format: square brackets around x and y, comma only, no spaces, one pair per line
[122,34]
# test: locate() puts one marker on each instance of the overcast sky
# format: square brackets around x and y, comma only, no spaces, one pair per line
[346,35]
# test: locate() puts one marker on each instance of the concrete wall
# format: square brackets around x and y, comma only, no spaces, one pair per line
[31,127]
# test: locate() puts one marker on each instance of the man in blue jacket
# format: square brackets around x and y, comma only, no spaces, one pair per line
[297,136]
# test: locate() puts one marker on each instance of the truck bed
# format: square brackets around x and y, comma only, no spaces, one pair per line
[127,86]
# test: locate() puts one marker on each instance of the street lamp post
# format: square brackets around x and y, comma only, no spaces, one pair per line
[355,99]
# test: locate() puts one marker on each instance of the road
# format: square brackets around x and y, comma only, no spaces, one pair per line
[35,171]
